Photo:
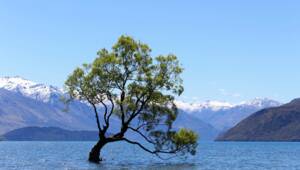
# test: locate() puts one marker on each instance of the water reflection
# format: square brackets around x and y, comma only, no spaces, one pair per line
[184,166]
[211,156]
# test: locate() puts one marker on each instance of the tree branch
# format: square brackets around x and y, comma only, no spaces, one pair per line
[95,110]
[96,114]
[122,98]
[121,107]
[140,145]
[138,112]
[156,152]
[107,119]
[105,111]
[140,133]
[148,123]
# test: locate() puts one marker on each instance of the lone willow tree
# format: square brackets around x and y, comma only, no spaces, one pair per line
[129,84]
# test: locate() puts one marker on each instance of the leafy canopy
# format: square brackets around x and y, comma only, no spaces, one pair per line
[128,83]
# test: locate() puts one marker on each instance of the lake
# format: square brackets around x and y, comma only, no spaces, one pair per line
[211,156]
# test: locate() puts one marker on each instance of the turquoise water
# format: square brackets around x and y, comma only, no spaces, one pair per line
[211,156]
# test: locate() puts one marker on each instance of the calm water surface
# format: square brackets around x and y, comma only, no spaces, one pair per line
[211,155]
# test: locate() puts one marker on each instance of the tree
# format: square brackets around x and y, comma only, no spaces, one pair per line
[138,89]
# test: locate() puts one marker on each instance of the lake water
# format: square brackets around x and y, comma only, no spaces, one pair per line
[211,156]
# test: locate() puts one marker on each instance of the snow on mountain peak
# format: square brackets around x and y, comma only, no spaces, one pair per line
[261,102]
[10,83]
[218,105]
[214,105]
[28,88]
[44,92]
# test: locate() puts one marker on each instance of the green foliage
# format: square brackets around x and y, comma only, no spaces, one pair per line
[140,91]
[186,137]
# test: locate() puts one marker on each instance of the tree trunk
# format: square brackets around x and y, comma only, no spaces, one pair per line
[95,152]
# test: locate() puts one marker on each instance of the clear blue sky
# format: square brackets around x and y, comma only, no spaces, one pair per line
[231,50]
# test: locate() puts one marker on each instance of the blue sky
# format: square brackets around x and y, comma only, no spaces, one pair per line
[231,50]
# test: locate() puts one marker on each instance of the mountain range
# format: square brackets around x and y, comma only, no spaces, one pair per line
[25,103]
[273,124]
[223,115]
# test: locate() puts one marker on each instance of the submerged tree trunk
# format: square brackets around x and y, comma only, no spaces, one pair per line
[95,152]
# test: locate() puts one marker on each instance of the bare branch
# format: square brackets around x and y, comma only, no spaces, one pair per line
[111,109]
[140,133]
[105,111]
[96,114]
[122,107]
[140,145]
[95,110]
[107,119]
[148,150]
[149,123]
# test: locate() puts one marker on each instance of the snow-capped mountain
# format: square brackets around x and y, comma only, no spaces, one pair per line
[26,103]
[30,89]
[192,107]
[260,103]
[223,115]
[219,105]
